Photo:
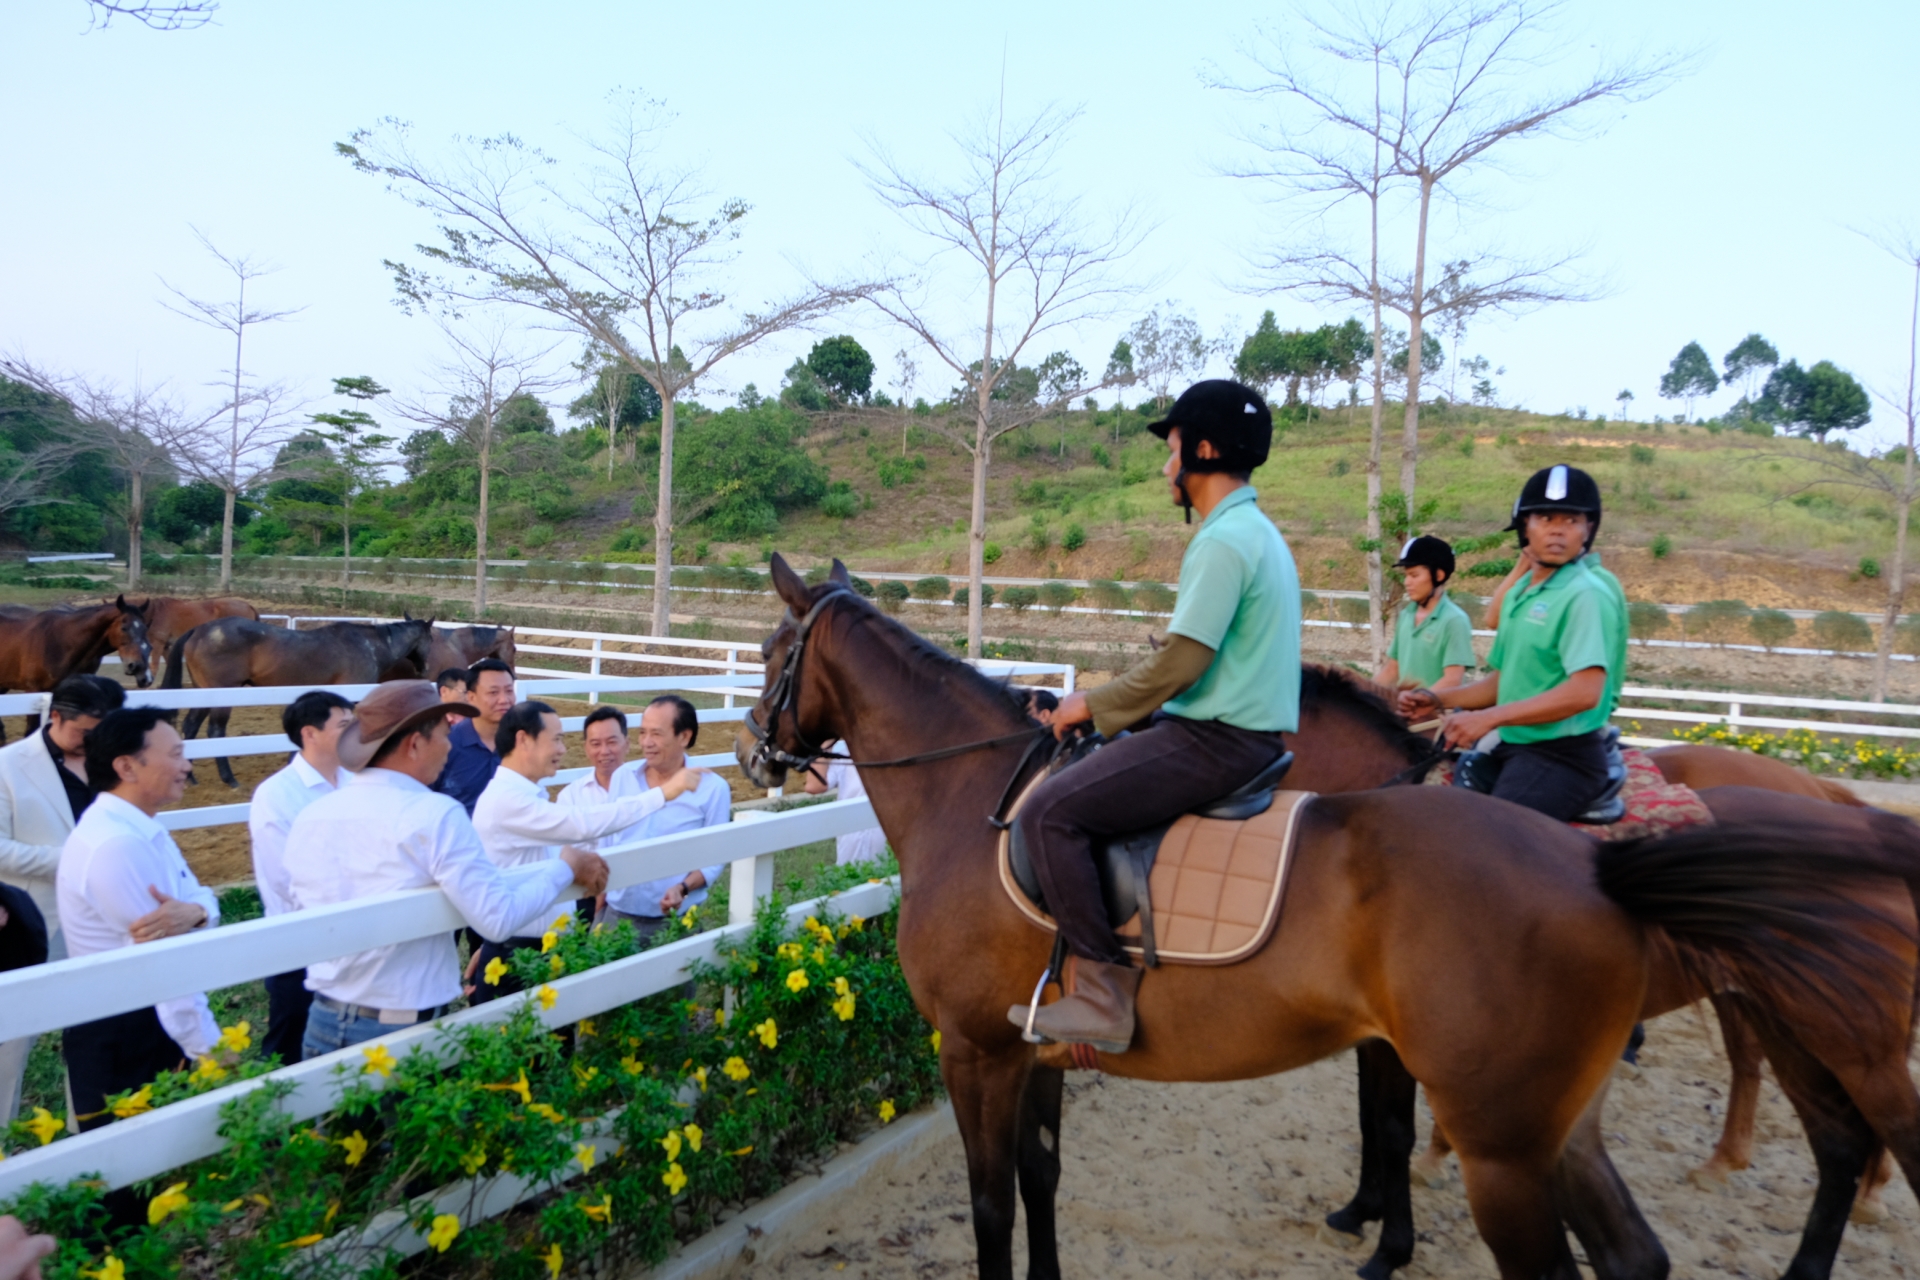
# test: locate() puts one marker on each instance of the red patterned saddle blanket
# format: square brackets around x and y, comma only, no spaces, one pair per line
[1654,805]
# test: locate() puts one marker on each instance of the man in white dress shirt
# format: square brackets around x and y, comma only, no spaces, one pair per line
[519,825]
[43,792]
[313,722]
[383,830]
[869,844]
[668,726]
[117,866]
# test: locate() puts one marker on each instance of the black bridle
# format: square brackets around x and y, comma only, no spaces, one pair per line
[784,698]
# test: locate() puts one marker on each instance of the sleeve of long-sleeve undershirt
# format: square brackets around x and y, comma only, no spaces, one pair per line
[1139,693]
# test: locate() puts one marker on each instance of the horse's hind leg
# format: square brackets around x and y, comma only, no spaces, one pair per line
[989,1092]
[1038,1163]
[1386,1144]
[217,728]
[196,716]
[1596,1204]
[1735,1148]
[1513,1208]
[1365,1206]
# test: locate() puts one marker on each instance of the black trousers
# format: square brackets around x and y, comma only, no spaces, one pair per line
[1135,782]
[113,1055]
[483,991]
[287,1003]
[1560,777]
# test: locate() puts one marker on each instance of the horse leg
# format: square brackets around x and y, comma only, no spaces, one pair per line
[1430,1166]
[217,728]
[1596,1204]
[1513,1207]
[989,1094]
[1394,1090]
[1038,1164]
[1365,1206]
[1868,1208]
[190,729]
[1735,1148]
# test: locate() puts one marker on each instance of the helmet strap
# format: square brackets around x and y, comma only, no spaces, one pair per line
[1186,501]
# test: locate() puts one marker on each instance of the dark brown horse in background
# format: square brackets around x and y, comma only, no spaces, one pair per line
[464,646]
[230,652]
[1846,1074]
[1506,972]
[40,648]
[169,617]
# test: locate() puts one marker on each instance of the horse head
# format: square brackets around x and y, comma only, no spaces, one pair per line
[128,633]
[795,712]
[418,635]
[504,648]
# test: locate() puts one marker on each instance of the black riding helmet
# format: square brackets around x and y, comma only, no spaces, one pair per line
[1433,553]
[1557,488]
[1232,416]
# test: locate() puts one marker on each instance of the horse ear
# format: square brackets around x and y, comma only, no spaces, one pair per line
[838,574]
[789,585]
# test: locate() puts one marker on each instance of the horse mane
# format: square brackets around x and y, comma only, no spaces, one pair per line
[924,651]
[1343,690]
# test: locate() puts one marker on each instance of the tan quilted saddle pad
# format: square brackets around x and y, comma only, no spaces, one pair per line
[1217,887]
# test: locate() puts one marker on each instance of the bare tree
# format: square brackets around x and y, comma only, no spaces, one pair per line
[484,367]
[903,387]
[1168,349]
[161,17]
[259,415]
[125,426]
[1904,246]
[1028,262]
[626,252]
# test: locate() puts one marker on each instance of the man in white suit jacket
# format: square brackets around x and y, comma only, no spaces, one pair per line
[40,800]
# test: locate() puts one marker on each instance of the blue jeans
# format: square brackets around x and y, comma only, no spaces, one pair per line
[327,1031]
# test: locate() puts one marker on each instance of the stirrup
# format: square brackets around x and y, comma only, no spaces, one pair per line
[1055,966]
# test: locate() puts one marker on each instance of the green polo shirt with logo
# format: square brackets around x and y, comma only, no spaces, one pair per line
[1616,622]
[1425,650]
[1240,597]
[1547,632]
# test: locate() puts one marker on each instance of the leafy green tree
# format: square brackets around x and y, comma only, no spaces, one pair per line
[842,368]
[1745,362]
[615,399]
[1265,357]
[1120,371]
[1059,376]
[1690,376]
[1021,599]
[935,587]
[186,513]
[891,593]
[358,453]
[1814,401]
[741,468]
[800,389]
[1841,631]
[1645,620]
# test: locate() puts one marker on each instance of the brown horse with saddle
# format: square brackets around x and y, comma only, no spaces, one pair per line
[41,647]
[1844,1070]
[1506,971]
[231,652]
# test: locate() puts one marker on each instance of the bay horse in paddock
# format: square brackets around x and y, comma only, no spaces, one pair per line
[41,647]
[170,617]
[1845,1073]
[231,652]
[464,646]
[1506,973]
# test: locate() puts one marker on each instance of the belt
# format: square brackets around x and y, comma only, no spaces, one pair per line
[390,1017]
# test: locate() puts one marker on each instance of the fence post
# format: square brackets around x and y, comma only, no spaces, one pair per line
[751,880]
[733,669]
[593,697]
[1733,715]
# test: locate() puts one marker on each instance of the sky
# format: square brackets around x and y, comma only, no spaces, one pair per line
[1730,203]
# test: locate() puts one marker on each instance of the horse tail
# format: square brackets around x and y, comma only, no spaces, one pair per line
[175,667]
[1778,910]
[1838,793]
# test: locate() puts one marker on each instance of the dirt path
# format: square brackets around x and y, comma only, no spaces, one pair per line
[1233,1180]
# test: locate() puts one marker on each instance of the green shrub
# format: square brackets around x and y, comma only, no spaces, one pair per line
[1772,627]
[891,594]
[1352,610]
[1020,599]
[1154,597]
[1869,567]
[1074,538]
[1641,454]
[1716,620]
[1471,605]
[933,588]
[861,586]
[840,501]
[991,552]
[538,535]
[1645,620]
[1039,537]
[1056,595]
[1489,569]
[961,596]
[1662,546]
[1108,595]
[1845,632]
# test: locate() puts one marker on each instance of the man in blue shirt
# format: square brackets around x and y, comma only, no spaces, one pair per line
[1220,693]
[471,758]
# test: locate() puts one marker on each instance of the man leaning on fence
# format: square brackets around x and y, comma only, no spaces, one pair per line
[43,792]
[385,830]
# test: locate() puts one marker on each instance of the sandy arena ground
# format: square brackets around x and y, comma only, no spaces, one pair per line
[1232,1181]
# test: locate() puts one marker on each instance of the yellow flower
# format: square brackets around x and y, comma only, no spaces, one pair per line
[301,1242]
[686,921]
[44,1127]
[844,1007]
[555,967]
[135,1103]
[887,1112]
[111,1269]
[700,1078]
[790,951]
[167,1203]
[546,1112]
[737,1069]
[768,1033]
[333,1208]
[819,955]
[797,980]
[587,1027]
[496,970]
[379,1061]
[584,1153]
[356,1145]
[585,1075]
[474,1161]
[841,987]
[208,1071]
[934,1039]
[598,1212]
[671,1144]
[519,1086]
[742,1151]
[237,1038]
[445,1227]
[231,1205]
[562,923]
[554,1260]
[676,1179]
[694,1134]
[632,1065]
[546,995]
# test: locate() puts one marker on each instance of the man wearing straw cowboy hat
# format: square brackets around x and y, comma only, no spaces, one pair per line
[383,830]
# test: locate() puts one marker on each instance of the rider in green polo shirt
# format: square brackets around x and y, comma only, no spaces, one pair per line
[1432,637]
[1550,691]
[1214,701]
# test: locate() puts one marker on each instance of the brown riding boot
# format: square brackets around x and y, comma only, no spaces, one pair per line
[1099,1012]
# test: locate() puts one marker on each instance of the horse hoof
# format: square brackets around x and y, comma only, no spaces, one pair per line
[1624,1070]
[1431,1173]
[1344,1240]
[1711,1178]
[1868,1213]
